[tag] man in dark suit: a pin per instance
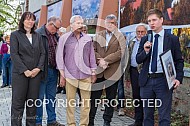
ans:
(152, 82)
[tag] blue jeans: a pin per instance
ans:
(120, 94)
(0, 64)
(48, 89)
(7, 69)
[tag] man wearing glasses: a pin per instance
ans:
(49, 84)
(132, 73)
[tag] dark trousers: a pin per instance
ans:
(120, 93)
(156, 88)
(24, 90)
(111, 91)
(134, 74)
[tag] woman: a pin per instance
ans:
(6, 62)
(28, 57)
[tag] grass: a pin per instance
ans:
(186, 65)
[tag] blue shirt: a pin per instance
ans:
(134, 53)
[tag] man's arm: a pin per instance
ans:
(142, 54)
(178, 60)
(59, 54)
(96, 44)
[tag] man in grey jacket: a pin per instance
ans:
(49, 84)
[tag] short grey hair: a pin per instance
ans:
(54, 19)
(72, 19)
(142, 24)
(111, 17)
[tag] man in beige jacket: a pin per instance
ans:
(109, 48)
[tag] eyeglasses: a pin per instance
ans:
(55, 26)
(140, 32)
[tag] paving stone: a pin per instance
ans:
(5, 112)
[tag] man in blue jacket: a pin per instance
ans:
(152, 82)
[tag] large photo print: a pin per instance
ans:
(88, 9)
(176, 20)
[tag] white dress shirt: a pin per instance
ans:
(160, 50)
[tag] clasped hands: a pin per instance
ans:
(102, 63)
(32, 73)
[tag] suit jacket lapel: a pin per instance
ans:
(33, 39)
(25, 39)
(113, 38)
(166, 40)
(104, 41)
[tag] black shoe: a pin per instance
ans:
(106, 123)
(91, 122)
(63, 92)
(136, 124)
(58, 91)
(55, 124)
(3, 86)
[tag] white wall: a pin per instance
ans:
(35, 5)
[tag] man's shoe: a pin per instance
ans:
(121, 112)
(63, 92)
(90, 124)
(58, 91)
(136, 124)
(106, 123)
(3, 86)
(55, 124)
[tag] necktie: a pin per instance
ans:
(155, 54)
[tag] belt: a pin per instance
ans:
(133, 67)
(155, 75)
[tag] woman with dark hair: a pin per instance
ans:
(28, 57)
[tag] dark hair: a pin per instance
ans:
(26, 15)
(155, 11)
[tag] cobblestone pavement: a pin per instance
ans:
(5, 113)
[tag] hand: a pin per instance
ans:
(101, 62)
(176, 83)
(105, 66)
(93, 79)
(28, 73)
(62, 73)
(128, 83)
(35, 71)
(147, 46)
(62, 82)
